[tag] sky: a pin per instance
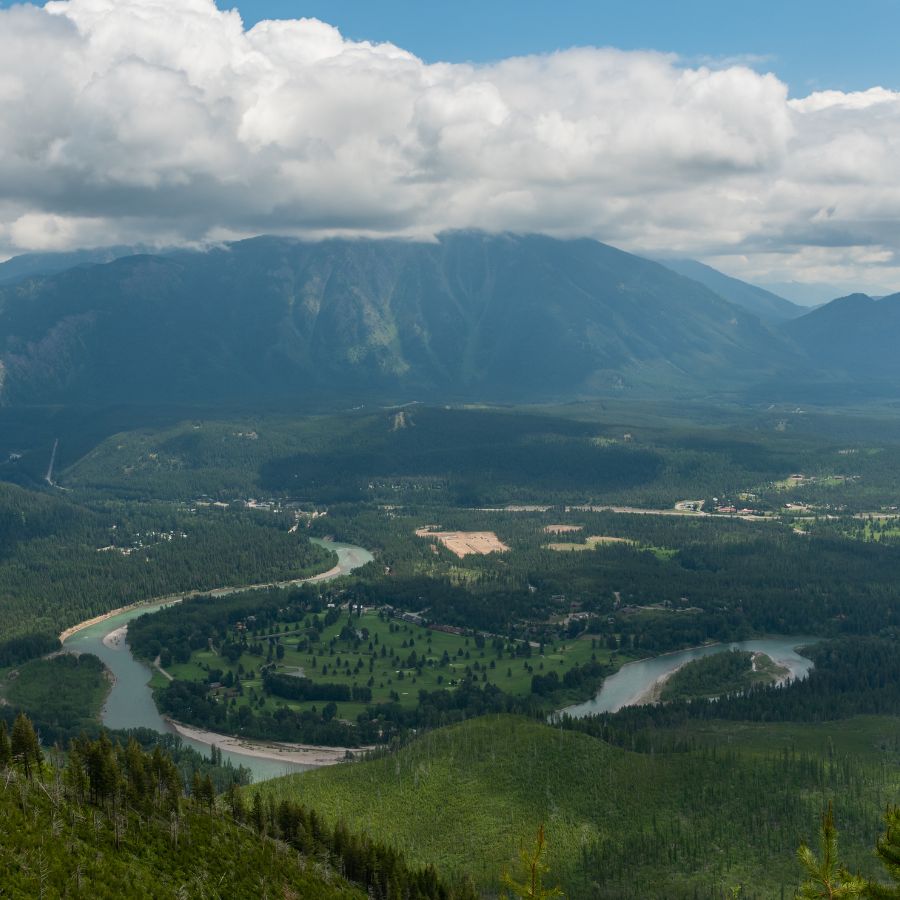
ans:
(809, 45)
(763, 138)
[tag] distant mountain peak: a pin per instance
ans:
(768, 306)
(472, 315)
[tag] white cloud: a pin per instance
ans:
(162, 120)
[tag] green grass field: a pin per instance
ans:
(380, 655)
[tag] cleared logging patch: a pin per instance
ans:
(462, 543)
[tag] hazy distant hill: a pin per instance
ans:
(469, 316)
(760, 302)
(856, 335)
(30, 265)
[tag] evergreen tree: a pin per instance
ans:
(531, 884)
(888, 852)
(75, 777)
(25, 747)
(5, 748)
(825, 876)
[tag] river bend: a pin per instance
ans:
(130, 702)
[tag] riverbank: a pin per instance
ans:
(333, 572)
(640, 682)
(302, 754)
(87, 623)
(130, 702)
(764, 670)
(653, 694)
(116, 637)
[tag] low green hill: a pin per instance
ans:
(619, 824)
(216, 860)
(52, 847)
(109, 820)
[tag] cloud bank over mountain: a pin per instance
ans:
(167, 121)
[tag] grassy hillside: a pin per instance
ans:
(50, 848)
(110, 819)
(619, 824)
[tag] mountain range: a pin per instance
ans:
(768, 306)
(469, 316)
(855, 336)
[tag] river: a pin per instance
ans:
(130, 701)
(634, 680)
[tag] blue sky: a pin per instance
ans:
(810, 45)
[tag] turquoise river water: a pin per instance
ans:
(633, 681)
(130, 701)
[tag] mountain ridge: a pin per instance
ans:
(856, 335)
(761, 302)
(472, 315)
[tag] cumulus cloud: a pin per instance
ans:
(168, 121)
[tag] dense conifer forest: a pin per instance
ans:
(107, 819)
(62, 561)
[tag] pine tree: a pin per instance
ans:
(135, 774)
(75, 777)
(532, 885)
(196, 789)
(5, 747)
(25, 747)
(826, 877)
(235, 803)
(256, 815)
(887, 849)
(209, 792)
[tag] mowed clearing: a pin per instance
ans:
(463, 543)
(590, 543)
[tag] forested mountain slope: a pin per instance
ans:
(856, 335)
(30, 265)
(54, 850)
(110, 820)
(768, 306)
(468, 316)
(619, 824)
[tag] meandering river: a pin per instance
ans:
(635, 680)
(130, 701)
